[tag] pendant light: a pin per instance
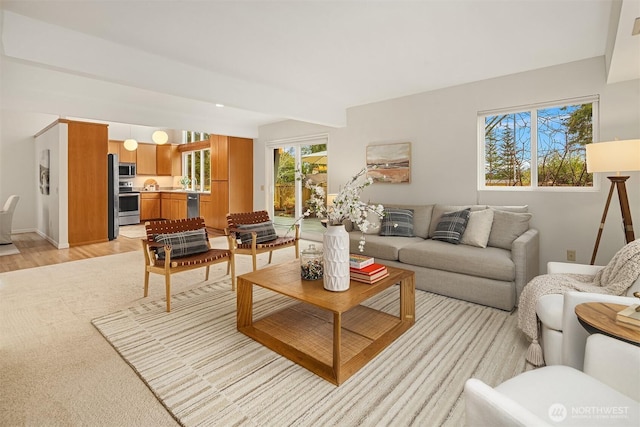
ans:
(160, 137)
(130, 144)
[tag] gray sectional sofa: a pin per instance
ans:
(493, 275)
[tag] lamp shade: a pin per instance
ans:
(160, 137)
(130, 144)
(614, 156)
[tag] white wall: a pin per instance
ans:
(442, 127)
(52, 209)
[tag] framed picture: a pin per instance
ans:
(389, 162)
(44, 171)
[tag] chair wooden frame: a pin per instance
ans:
(254, 248)
(169, 266)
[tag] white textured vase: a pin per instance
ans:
(336, 258)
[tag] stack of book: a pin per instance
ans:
(365, 269)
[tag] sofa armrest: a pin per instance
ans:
(554, 267)
(615, 363)
(525, 252)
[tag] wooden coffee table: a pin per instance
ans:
(328, 333)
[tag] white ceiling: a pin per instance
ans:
(311, 60)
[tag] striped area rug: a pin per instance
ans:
(207, 373)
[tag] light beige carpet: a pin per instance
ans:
(207, 373)
(57, 369)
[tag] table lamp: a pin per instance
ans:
(615, 156)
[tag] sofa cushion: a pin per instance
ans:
(507, 227)
(421, 217)
(452, 226)
(514, 208)
(478, 228)
(183, 243)
(380, 247)
(264, 232)
(491, 263)
(439, 210)
(397, 222)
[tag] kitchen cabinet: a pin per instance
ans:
(206, 209)
(87, 149)
(231, 178)
(149, 206)
(168, 160)
(219, 157)
(124, 155)
(179, 206)
(146, 159)
(220, 204)
(173, 205)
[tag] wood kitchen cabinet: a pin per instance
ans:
(149, 206)
(87, 149)
(231, 178)
(146, 159)
(168, 160)
(173, 205)
(124, 155)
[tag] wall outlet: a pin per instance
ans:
(571, 255)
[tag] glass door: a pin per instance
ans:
(289, 195)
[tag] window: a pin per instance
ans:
(197, 167)
(189, 136)
(541, 146)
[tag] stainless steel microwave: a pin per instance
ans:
(127, 170)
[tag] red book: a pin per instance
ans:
(369, 269)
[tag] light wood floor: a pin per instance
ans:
(35, 251)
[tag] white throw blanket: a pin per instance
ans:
(614, 279)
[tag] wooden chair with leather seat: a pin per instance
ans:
(252, 233)
(173, 246)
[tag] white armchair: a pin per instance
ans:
(562, 336)
(6, 219)
(607, 393)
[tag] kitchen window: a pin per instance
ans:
(189, 136)
(197, 167)
(537, 147)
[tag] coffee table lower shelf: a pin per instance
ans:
(331, 345)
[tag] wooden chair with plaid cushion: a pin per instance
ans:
(179, 245)
(253, 233)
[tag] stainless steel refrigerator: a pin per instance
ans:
(113, 194)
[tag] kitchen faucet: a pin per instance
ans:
(195, 183)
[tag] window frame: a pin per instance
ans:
(191, 168)
(533, 109)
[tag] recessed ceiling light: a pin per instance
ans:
(636, 27)
(219, 105)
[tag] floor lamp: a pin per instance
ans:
(615, 156)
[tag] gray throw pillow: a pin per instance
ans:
(452, 226)
(397, 222)
(183, 243)
(265, 232)
(507, 227)
(478, 228)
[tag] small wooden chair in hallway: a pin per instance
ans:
(173, 246)
(253, 233)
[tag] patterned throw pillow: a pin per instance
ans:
(397, 222)
(451, 226)
(183, 243)
(265, 232)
